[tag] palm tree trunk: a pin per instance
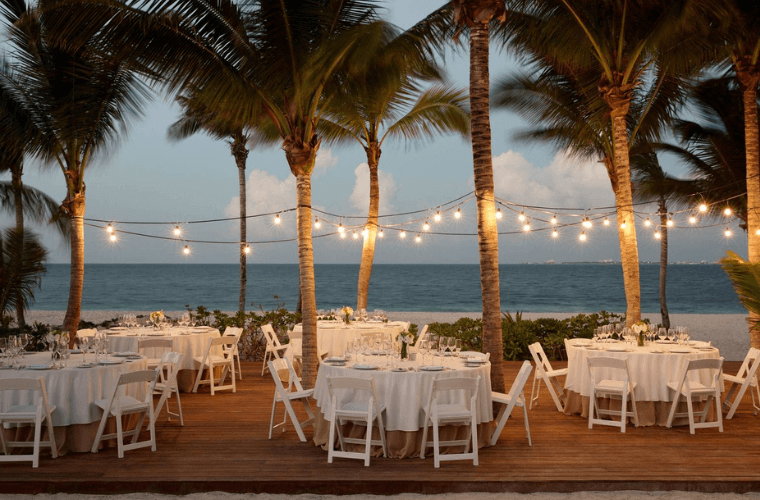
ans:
(663, 262)
(16, 173)
(488, 237)
(368, 249)
(241, 154)
(308, 291)
(749, 80)
(75, 205)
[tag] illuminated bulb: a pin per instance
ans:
(554, 220)
(498, 213)
(521, 216)
(437, 217)
(426, 226)
(247, 250)
(647, 223)
(177, 231)
(380, 234)
(186, 250)
(402, 234)
(727, 233)
(606, 221)
(757, 232)
(692, 219)
(623, 225)
(109, 229)
(365, 232)
(703, 207)
(317, 224)
(555, 234)
(355, 235)
(343, 234)
(657, 235)
(112, 237)
(458, 213)
(526, 227)
(277, 219)
(341, 229)
(727, 212)
(670, 221)
(417, 238)
(582, 237)
(586, 223)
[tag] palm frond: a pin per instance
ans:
(745, 277)
(23, 263)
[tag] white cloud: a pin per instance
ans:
(264, 193)
(360, 196)
(564, 182)
(324, 162)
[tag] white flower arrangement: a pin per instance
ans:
(157, 316)
(406, 338)
(640, 327)
(347, 311)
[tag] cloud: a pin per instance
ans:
(325, 161)
(360, 196)
(264, 193)
(565, 182)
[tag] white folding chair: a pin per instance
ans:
(211, 360)
(274, 349)
(86, 332)
(476, 354)
(235, 332)
(545, 372)
(294, 392)
(515, 397)
(358, 413)
(421, 337)
(36, 413)
(163, 345)
(441, 412)
(605, 387)
(118, 405)
(746, 378)
(691, 390)
(166, 385)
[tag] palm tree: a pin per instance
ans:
(22, 261)
(81, 100)
(619, 41)
(197, 117)
(389, 102)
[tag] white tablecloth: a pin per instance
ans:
(650, 370)
(73, 390)
(188, 341)
(406, 394)
(334, 336)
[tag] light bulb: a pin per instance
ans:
(582, 237)
(606, 221)
(426, 226)
(727, 233)
(437, 217)
(554, 220)
(623, 225)
(526, 227)
(343, 234)
(458, 213)
(670, 222)
(402, 234)
(109, 229)
(112, 237)
(555, 234)
(341, 229)
(317, 224)
(647, 223)
(355, 235)
(177, 231)
(703, 207)
(365, 232)
(247, 250)
(417, 238)
(727, 211)
(757, 232)
(498, 213)
(521, 216)
(586, 223)
(277, 219)
(692, 219)
(657, 235)
(186, 250)
(380, 234)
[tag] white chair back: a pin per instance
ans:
(690, 390)
(515, 397)
(421, 337)
(745, 379)
(545, 372)
(37, 414)
(294, 392)
(87, 332)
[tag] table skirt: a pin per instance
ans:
(401, 444)
(649, 412)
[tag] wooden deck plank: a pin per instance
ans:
(224, 445)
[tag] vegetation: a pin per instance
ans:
(22, 263)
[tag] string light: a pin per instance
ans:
(555, 234)
(703, 207)
(498, 213)
(582, 236)
(647, 222)
(586, 223)
(623, 225)
(437, 216)
(317, 224)
(727, 233)
(277, 219)
(521, 217)
(418, 238)
(355, 235)
(112, 237)
(526, 227)
(657, 235)
(247, 250)
(109, 229)
(365, 232)
(381, 234)
(670, 222)
(554, 220)
(426, 226)
(341, 229)
(757, 232)
(402, 234)
(692, 219)
(458, 213)
(186, 250)
(177, 231)
(343, 234)
(727, 211)
(606, 221)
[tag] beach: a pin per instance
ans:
(727, 332)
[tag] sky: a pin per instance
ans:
(149, 179)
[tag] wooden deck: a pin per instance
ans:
(224, 447)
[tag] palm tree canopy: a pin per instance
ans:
(745, 277)
(22, 261)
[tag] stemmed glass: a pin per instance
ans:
(662, 334)
(671, 334)
(457, 347)
(84, 344)
(349, 350)
(443, 343)
(425, 349)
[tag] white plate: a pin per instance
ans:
(476, 361)
(38, 367)
(433, 368)
(681, 351)
(111, 362)
(365, 367)
(399, 370)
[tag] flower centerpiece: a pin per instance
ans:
(640, 328)
(347, 312)
(405, 339)
(156, 317)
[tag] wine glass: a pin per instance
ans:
(84, 344)
(662, 334)
(349, 350)
(457, 347)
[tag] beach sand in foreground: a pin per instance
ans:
(728, 332)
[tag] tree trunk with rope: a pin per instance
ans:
(368, 248)
(664, 262)
(18, 202)
(74, 205)
(240, 153)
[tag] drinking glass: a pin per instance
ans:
(84, 344)
(365, 347)
(662, 334)
(457, 347)
(671, 334)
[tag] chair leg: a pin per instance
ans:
(381, 428)
(533, 390)
(119, 436)
(331, 440)
(474, 437)
(635, 410)
(179, 406)
(591, 405)
(37, 437)
(673, 407)
(2, 439)
(717, 407)
(623, 413)
(527, 424)
(271, 419)
(424, 436)
(198, 379)
(101, 428)
(690, 406)
(436, 445)
(240, 370)
(368, 440)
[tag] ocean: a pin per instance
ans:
(691, 289)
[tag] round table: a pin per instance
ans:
(72, 390)
(651, 367)
(334, 336)
(405, 395)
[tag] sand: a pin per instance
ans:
(728, 332)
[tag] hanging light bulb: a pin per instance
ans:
(402, 234)
(112, 237)
(555, 234)
(623, 225)
(526, 226)
(186, 250)
(426, 226)
(317, 224)
(727, 233)
(365, 232)
(343, 234)
(380, 234)
(458, 213)
(703, 207)
(521, 217)
(554, 220)
(437, 216)
(657, 235)
(498, 213)
(277, 219)
(692, 219)
(177, 231)
(582, 236)
(355, 235)
(670, 222)
(247, 250)
(109, 229)
(418, 238)
(757, 232)
(586, 223)
(606, 221)
(647, 222)
(727, 211)
(341, 229)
